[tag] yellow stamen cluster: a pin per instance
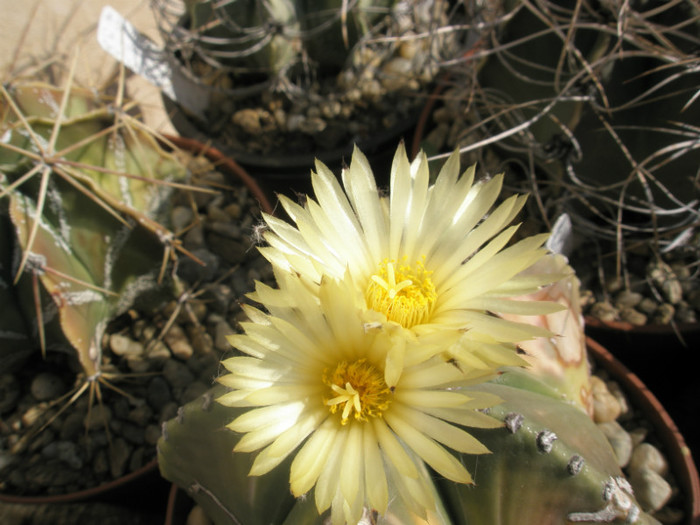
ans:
(404, 293)
(359, 389)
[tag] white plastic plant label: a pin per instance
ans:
(118, 37)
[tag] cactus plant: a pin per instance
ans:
(549, 462)
(608, 83)
(301, 77)
(533, 450)
(84, 186)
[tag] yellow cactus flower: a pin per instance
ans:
(430, 259)
(313, 377)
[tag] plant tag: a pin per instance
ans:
(118, 37)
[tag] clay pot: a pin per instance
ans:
(677, 451)
(660, 356)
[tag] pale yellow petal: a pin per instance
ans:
(332, 198)
(507, 331)
(362, 191)
(433, 454)
(375, 477)
(400, 191)
(395, 361)
(260, 417)
(493, 224)
(283, 393)
(440, 431)
(329, 479)
(352, 466)
(477, 202)
(393, 450)
(432, 374)
(510, 306)
(235, 398)
(444, 199)
(312, 457)
(465, 417)
(242, 383)
(415, 212)
(424, 398)
(285, 443)
(480, 258)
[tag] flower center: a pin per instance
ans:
(358, 389)
(404, 293)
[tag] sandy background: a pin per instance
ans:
(36, 30)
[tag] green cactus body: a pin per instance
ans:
(549, 464)
(250, 36)
(85, 198)
(14, 335)
(247, 35)
(332, 32)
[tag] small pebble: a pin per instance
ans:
(46, 386)
(627, 299)
(66, 451)
(151, 434)
(651, 490)
(647, 456)
(619, 439)
(604, 311)
(201, 340)
(197, 516)
(177, 374)
(193, 391)
(222, 331)
(9, 393)
(181, 217)
(664, 314)
(606, 407)
(72, 426)
(168, 412)
(99, 416)
(177, 341)
(635, 317)
(158, 393)
(141, 414)
(647, 306)
(230, 250)
(132, 433)
(118, 455)
(125, 346)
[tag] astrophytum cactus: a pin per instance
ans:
(548, 461)
(83, 186)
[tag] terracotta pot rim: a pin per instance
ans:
(676, 449)
(85, 494)
(218, 158)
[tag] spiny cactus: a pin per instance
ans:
(85, 186)
(268, 37)
(595, 105)
(325, 73)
